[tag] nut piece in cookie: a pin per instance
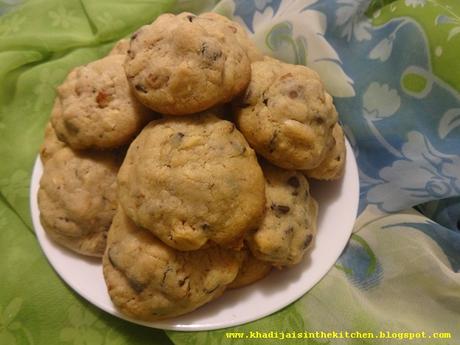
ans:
(289, 225)
(251, 270)
(77, 199)
(286, 115)
(147, 280)
(97, 108)
(51, 144)
(332, 167)
(185, 64)
(191, 180)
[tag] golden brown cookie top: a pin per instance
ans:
(97, 108)
(286, 115)
(185, 64)
(191, 180)
(289, 224)
(77, 198)
(148, 280)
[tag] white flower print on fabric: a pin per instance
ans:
(437, 176)
(295, 34)
(352, 20)
(379, 101)
(415, 3)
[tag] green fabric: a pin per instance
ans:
(40, 42)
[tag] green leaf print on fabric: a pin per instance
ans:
(439, 20)
(280, 39)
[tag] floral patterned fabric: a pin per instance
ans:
(392, 67)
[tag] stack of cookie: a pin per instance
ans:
(182, 159)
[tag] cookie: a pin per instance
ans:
(191, 180)
(286, 115)
(251, 271)
(240, 33)
(147, 280)
(289, 225)
(332, 167)
(77, 199)
(120, 48)
(97, 107)
(185, 64)
(51, 144)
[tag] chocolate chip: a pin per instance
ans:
(318, 120)
(265, 101)
(137, 286)
(293, 181)
(293, 94)
(280, 209)
(191, 18)
(307, 241)
(210, 53)
(134, 36)
(205, 226)
(140, 87)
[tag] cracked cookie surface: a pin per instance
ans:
(97, 108)
(286, 115)
(148, 280)
(289, 225)
(186, 64)
(77, 199)
(191, 180)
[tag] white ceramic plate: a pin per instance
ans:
(337, 212)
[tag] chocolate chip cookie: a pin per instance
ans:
(191, 180)
(289, 225)
(286, 115)
(97, 107)
(148, 280)
(77, 199)
(185, 64)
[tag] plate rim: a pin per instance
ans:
(43, 240)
